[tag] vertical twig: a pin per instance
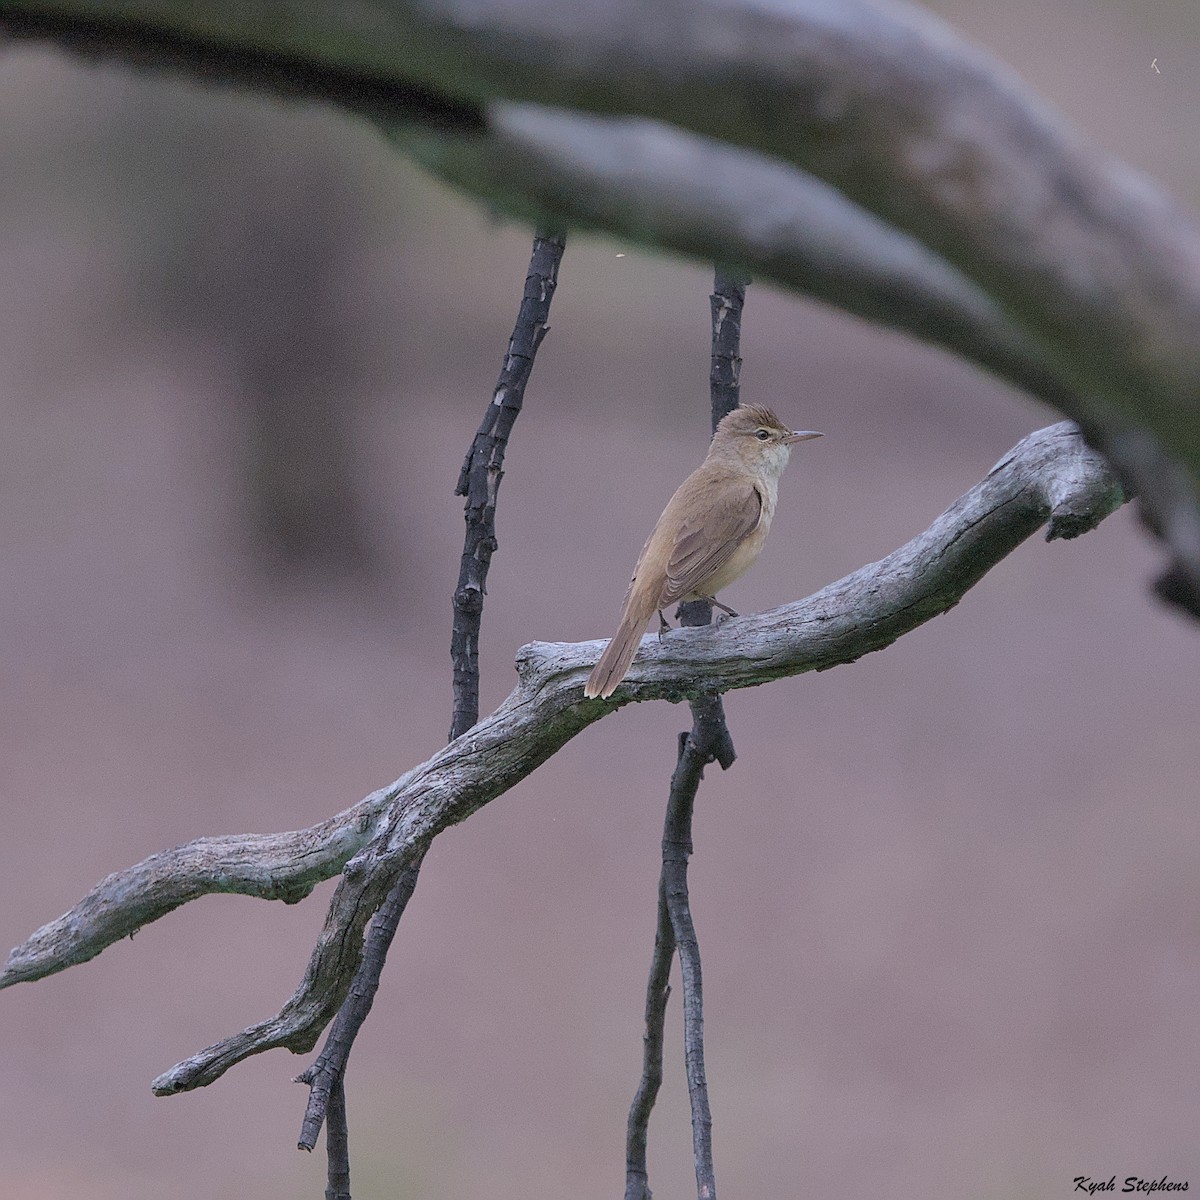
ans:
(658, 991)
(708, 742)
(724, 376)
(324, 1075)
(337, 1144)
(483, 468)
(479, 481)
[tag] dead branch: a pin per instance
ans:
(1050, 476)
(483, 469)
(1095, 270)
(659, 186)
(326, 1075)
(885, 103)
(278, 866)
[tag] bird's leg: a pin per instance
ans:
(663, 625)
(723, 607)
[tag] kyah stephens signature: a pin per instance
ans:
(1085, 1183)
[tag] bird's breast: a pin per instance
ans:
(743, 558)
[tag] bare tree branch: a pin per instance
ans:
(483, 468)
(279, 866)
(291, 74)
(696, 750)
(725, 306)
(325, 1076)
(884, 102)
(331, 970)
(707, 742)
(1051, 476)
(338, 1143)
(658, 992)
(1085, 278)
(662, 187)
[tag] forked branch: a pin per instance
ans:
(479, 482)
(1051, 476)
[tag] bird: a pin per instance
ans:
(710, 533)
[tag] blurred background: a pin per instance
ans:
(946, 897)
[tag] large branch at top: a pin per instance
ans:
(1075, 278)
(663, 187)
(1052, 475)
(880, 99)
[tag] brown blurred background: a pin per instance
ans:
(947, 897)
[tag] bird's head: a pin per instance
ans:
(755, 436)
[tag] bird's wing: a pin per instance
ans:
(703, 545)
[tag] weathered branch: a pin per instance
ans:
(696, 750)
(658, 992)
(1084, 278)
(885, 103)
(1051, 476)
(708, 742)
(325, 1076)
(278, 866)
(662, 187)
(331, 970)
(337, 1140)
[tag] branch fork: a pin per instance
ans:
(1051, 478)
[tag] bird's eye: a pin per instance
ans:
(762, 435)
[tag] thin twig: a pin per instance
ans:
(724, 375)
(696, 750)
(324, 1075)
(337, 1144)
(483, 468)
(479, 481)
(709, 741)
(658, 992)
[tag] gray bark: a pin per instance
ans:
(1051, 477)
(1084, 277)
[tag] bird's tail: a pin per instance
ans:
(619, 653)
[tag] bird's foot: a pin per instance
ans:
(725, 613)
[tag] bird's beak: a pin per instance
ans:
(800, 435)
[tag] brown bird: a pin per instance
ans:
(709, 534)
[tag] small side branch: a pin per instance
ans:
(324, 1077)
(479, 480)
(658, 992)
(708, 742)
(696, 750)
(724, 374)
(337, 1145)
